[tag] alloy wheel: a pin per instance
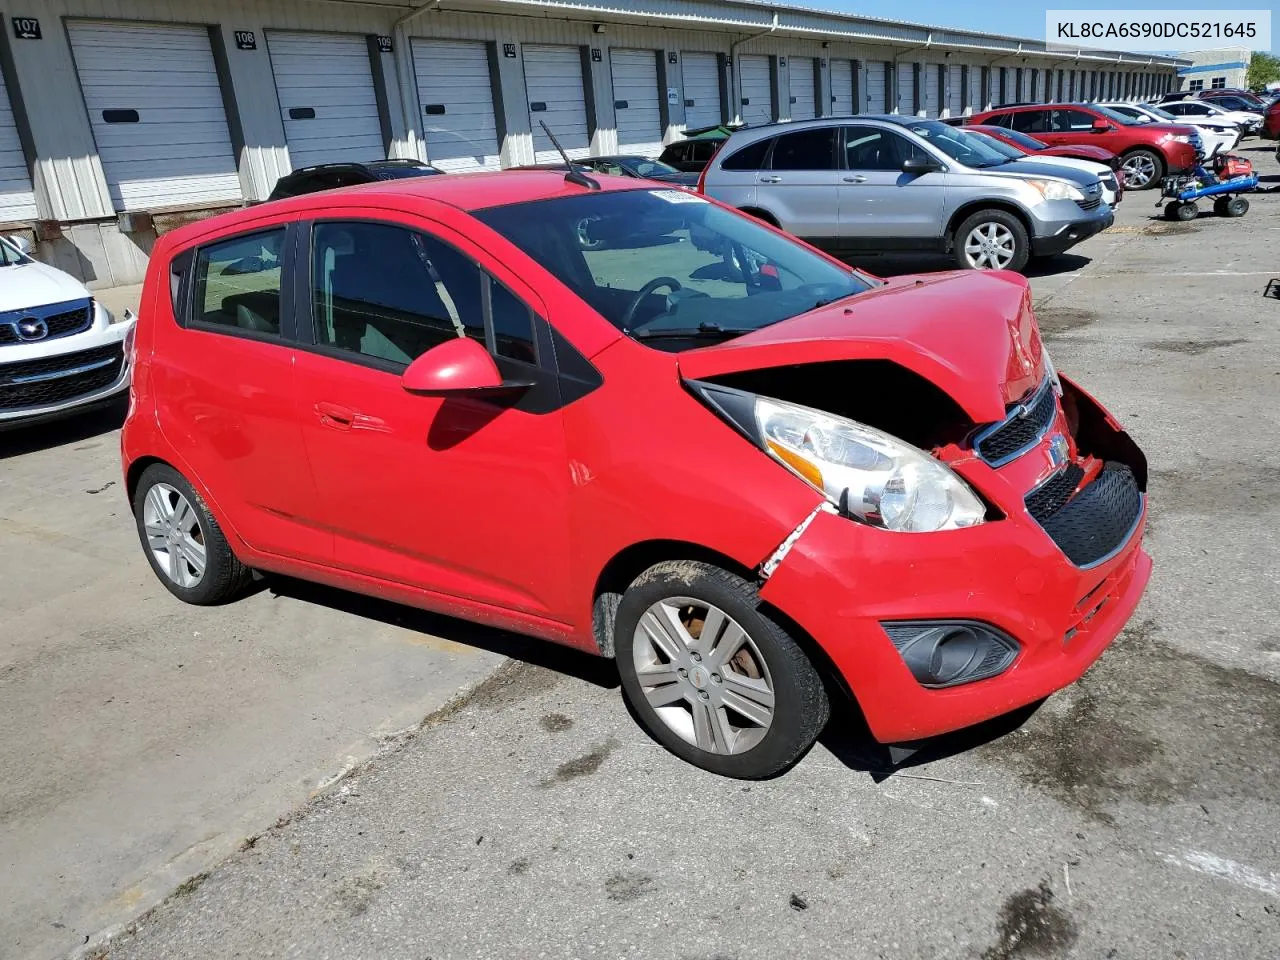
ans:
(703, 675)
(1138, 171)
(174, 535)
(990, 246)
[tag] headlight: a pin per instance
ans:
(1056, 190)
(1050, 369)
(872, 476)
(1182, 138)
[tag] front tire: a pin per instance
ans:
(183, 542)
(711, 676)
(991, 240)
(1143, 169)
(1236, 207)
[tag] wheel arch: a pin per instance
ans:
(986, 203)
(760, 214)
(623, 569)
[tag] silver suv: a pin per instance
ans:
(882, 183)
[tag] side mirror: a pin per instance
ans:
(1101, 126)
(459, 366)
(22, 243)
(918, 165)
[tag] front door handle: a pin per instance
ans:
(859, 178)
(335, 415)
(770, 179)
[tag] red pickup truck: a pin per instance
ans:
(1147, 151)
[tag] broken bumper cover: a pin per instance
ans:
(1008, 573)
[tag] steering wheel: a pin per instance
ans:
(657, 283)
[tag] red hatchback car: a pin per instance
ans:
(755, 477)
(1147, 151)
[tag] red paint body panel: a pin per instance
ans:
(1120, 139)
(332, 471)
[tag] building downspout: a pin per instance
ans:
(735, 87)
(404, 76)
(896, 57)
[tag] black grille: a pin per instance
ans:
(1050, 496)
(18, 391)
(1020, 431)
(59, 324)
(1089, 204)
(1092, 524)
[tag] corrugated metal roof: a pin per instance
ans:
(795, 19)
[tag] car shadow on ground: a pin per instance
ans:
(848, 739)
(17, 441)
(846, 736)
(896, 266)
(540, 653)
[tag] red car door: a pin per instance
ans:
(225, 376)
(460, 496)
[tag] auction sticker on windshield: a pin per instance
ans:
(677, 196)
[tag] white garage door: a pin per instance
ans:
(455, 94)
(17, 202)
(876, 87)
(156, 111)
(906, 88)
(325, 87)
(842, 104)
(757, 91)
(803, 96)
(977, 97)
(635, 101)
(931, 78)
(955, 90)
(701, 90)
(553, 80)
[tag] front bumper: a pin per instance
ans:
(47, 380)
(1056, 236)
(841, 582)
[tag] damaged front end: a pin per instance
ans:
(1025, 559)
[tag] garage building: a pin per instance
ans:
(123, 119)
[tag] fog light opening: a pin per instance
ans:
(944, 654)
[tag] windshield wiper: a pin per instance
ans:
(701, 331)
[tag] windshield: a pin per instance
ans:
(1023, 140)
(10, 255)
(668, 267)
(1012, 153)
(1115, 115)
(1162, 114)
(957, 144)
(651, 168)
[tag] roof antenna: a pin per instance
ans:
(574, 175)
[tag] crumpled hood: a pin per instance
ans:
(34, 284)
(971, 333)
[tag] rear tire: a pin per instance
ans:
(1143, 169)
(745, 702)
(1185, 211)
(1237, 207)
(991, 240)
(183, 542)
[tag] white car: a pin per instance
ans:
(1111, 192)
(1190, 111)
(1218, 135)
(61, 351)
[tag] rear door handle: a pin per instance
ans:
(770, 179)
(334, 415)
(859, 178)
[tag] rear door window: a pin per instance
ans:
(1030, 121)
(805, 150)
(237, 283)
